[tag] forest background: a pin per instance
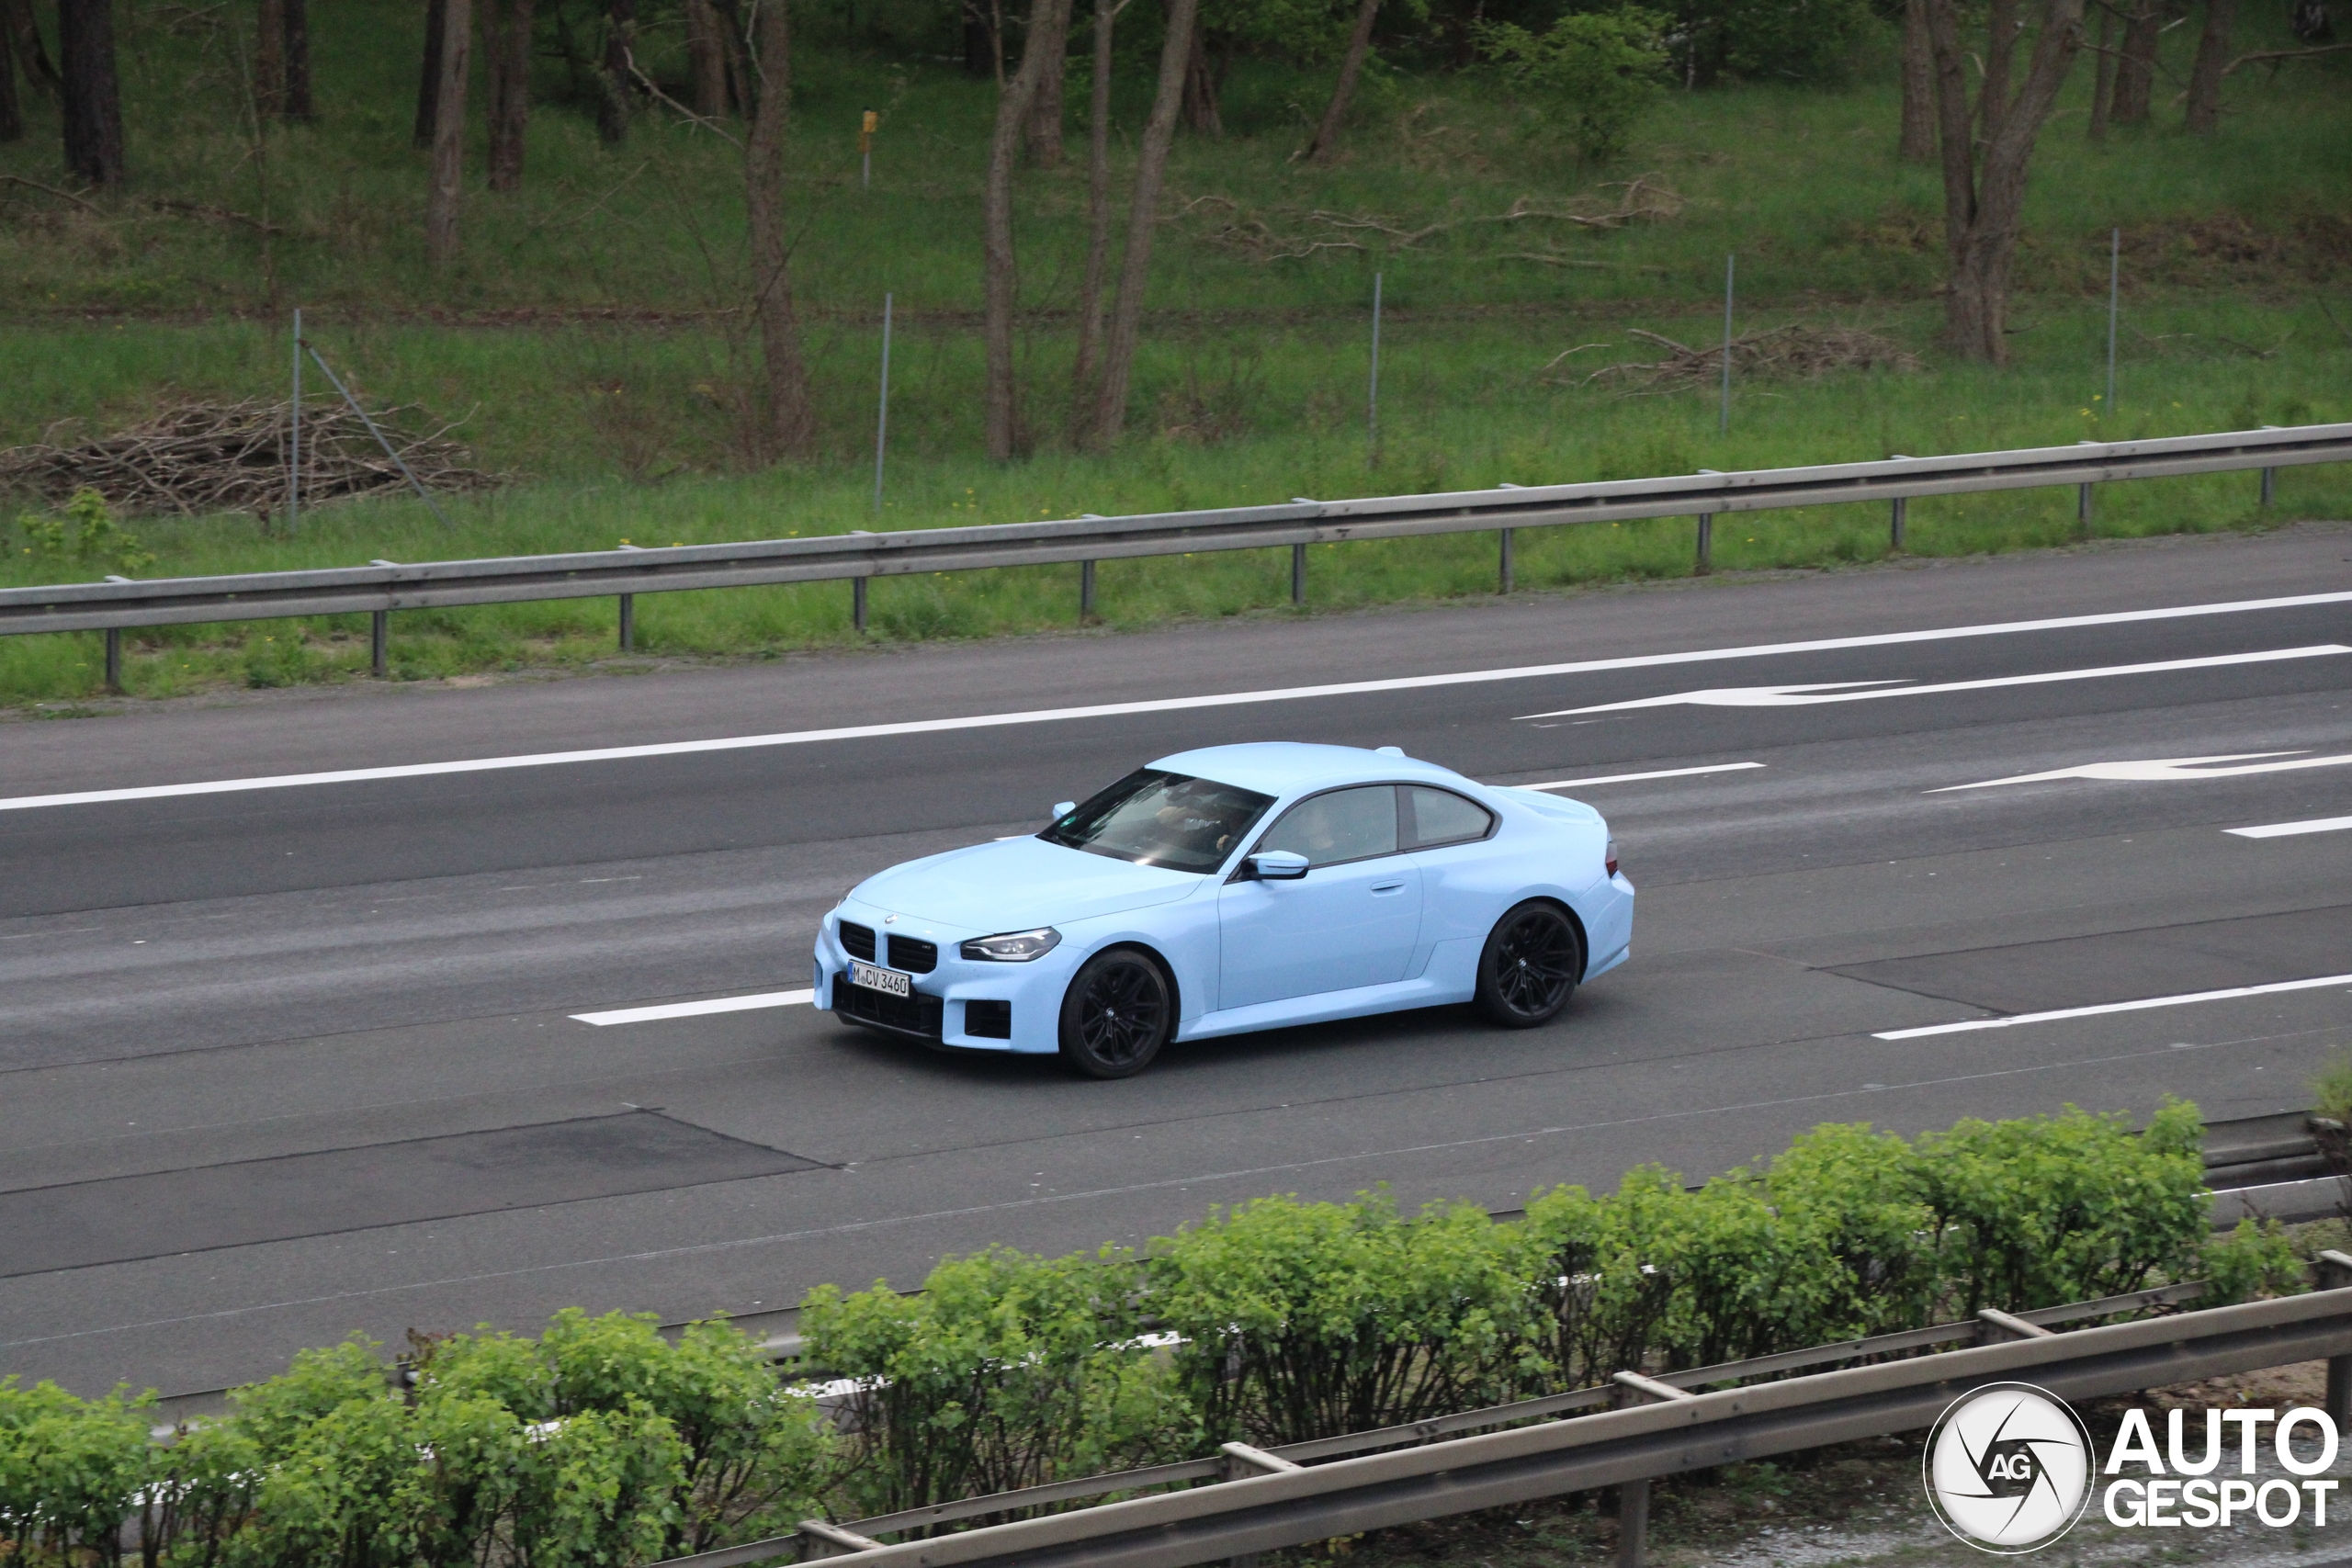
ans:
(628, 253)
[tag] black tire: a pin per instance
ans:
(1118, 1012)
(1530, 967)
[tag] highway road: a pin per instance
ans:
(291, 989)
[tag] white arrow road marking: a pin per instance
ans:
(2184, 999)
(1630, 778)
(2154, 770)
(696, 1009)
(1161, 705)
(1842, 691)
(2288, 829)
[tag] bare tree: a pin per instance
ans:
(705, 60)
(297, 106)
(12, 110)
(2000, 48)
(1982, 204)
(2103, 80)
(612, 85)
(24, 32)
(1919, 142)
(1110, 412)
(269, 57)
(93, 92)
(1203, 114)
(507, 35)
(792, 421)
(2135, 72)
(1326, 141)
(1001, 286)
(2212, 58)
(1098, 220)
(449, 133)
(428, 82)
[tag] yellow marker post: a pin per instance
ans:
(865, 149)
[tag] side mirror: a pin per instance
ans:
(1063, 808)
(1277, 865)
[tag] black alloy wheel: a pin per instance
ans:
(1529, 968)
(1118, 1012)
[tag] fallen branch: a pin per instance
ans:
(48, 190)
(2283, 55)
(1789, 351)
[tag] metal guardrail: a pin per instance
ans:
(1272, 1499)
(383, 587)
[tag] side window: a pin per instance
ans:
(1436, 817)
(1346, 824)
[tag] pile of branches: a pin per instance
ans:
(1781, 352)
(1642, 199)
(203, 457)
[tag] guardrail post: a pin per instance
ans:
(1299, 574)
(1894, 532)
(857, 604)
(1507, 573)
(2082, 508)
(114, 661)
(2335, 1273)
(379, 636)
(2269, 486)
(1706, 561)
(629, 622)
(1632, 1524)
(1085, 592)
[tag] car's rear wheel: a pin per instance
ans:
(1529, 967)
(1117, 1013)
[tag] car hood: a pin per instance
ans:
(1017, 884)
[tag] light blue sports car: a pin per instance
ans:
(1233, 888)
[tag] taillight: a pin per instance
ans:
(1611, 863)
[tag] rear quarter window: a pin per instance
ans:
(1435, 817)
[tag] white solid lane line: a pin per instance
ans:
(2185, 999)
(1842, 692)
(2291, 830)
(696, 1009)
(1630, 778)
(2154, 770)
(1165, 705)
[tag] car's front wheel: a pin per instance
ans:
(1117, 1013)
(1530, 965)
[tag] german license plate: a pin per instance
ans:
(874, 977)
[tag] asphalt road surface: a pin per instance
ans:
(299, 1056)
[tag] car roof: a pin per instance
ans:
(1287, 767)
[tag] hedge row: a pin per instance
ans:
(599, 1442)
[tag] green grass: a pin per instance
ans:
(585, 341)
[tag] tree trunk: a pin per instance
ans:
(980, 39)
(93, 94)
(298, 61)
(2000, 48)
(509, 41)
(1201, 115)
(705, 60)
(1326, 134)
(24, 32)
(1000, 278)
(2205, 76)
(449, 133)
(1097, 223)
(1043, 132)
(12, 110)
(1143, 220)
(269, 59)
(2103, 80)
(615, 87)
(2135, 72)
(428, 85)
(1983, 208)
(743, 88)
(1918, 143)
(791, 423)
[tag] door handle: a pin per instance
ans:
(1379, 888)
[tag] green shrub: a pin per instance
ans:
(87, 535)
(1006, 1372)
(1305, 1320)
(69, 1470)
(1601, 70)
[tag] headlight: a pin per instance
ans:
(1012, 947)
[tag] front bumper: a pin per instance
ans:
(1013, 1007)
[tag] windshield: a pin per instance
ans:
(1159, 819)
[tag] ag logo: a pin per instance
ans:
(2008, 1467)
